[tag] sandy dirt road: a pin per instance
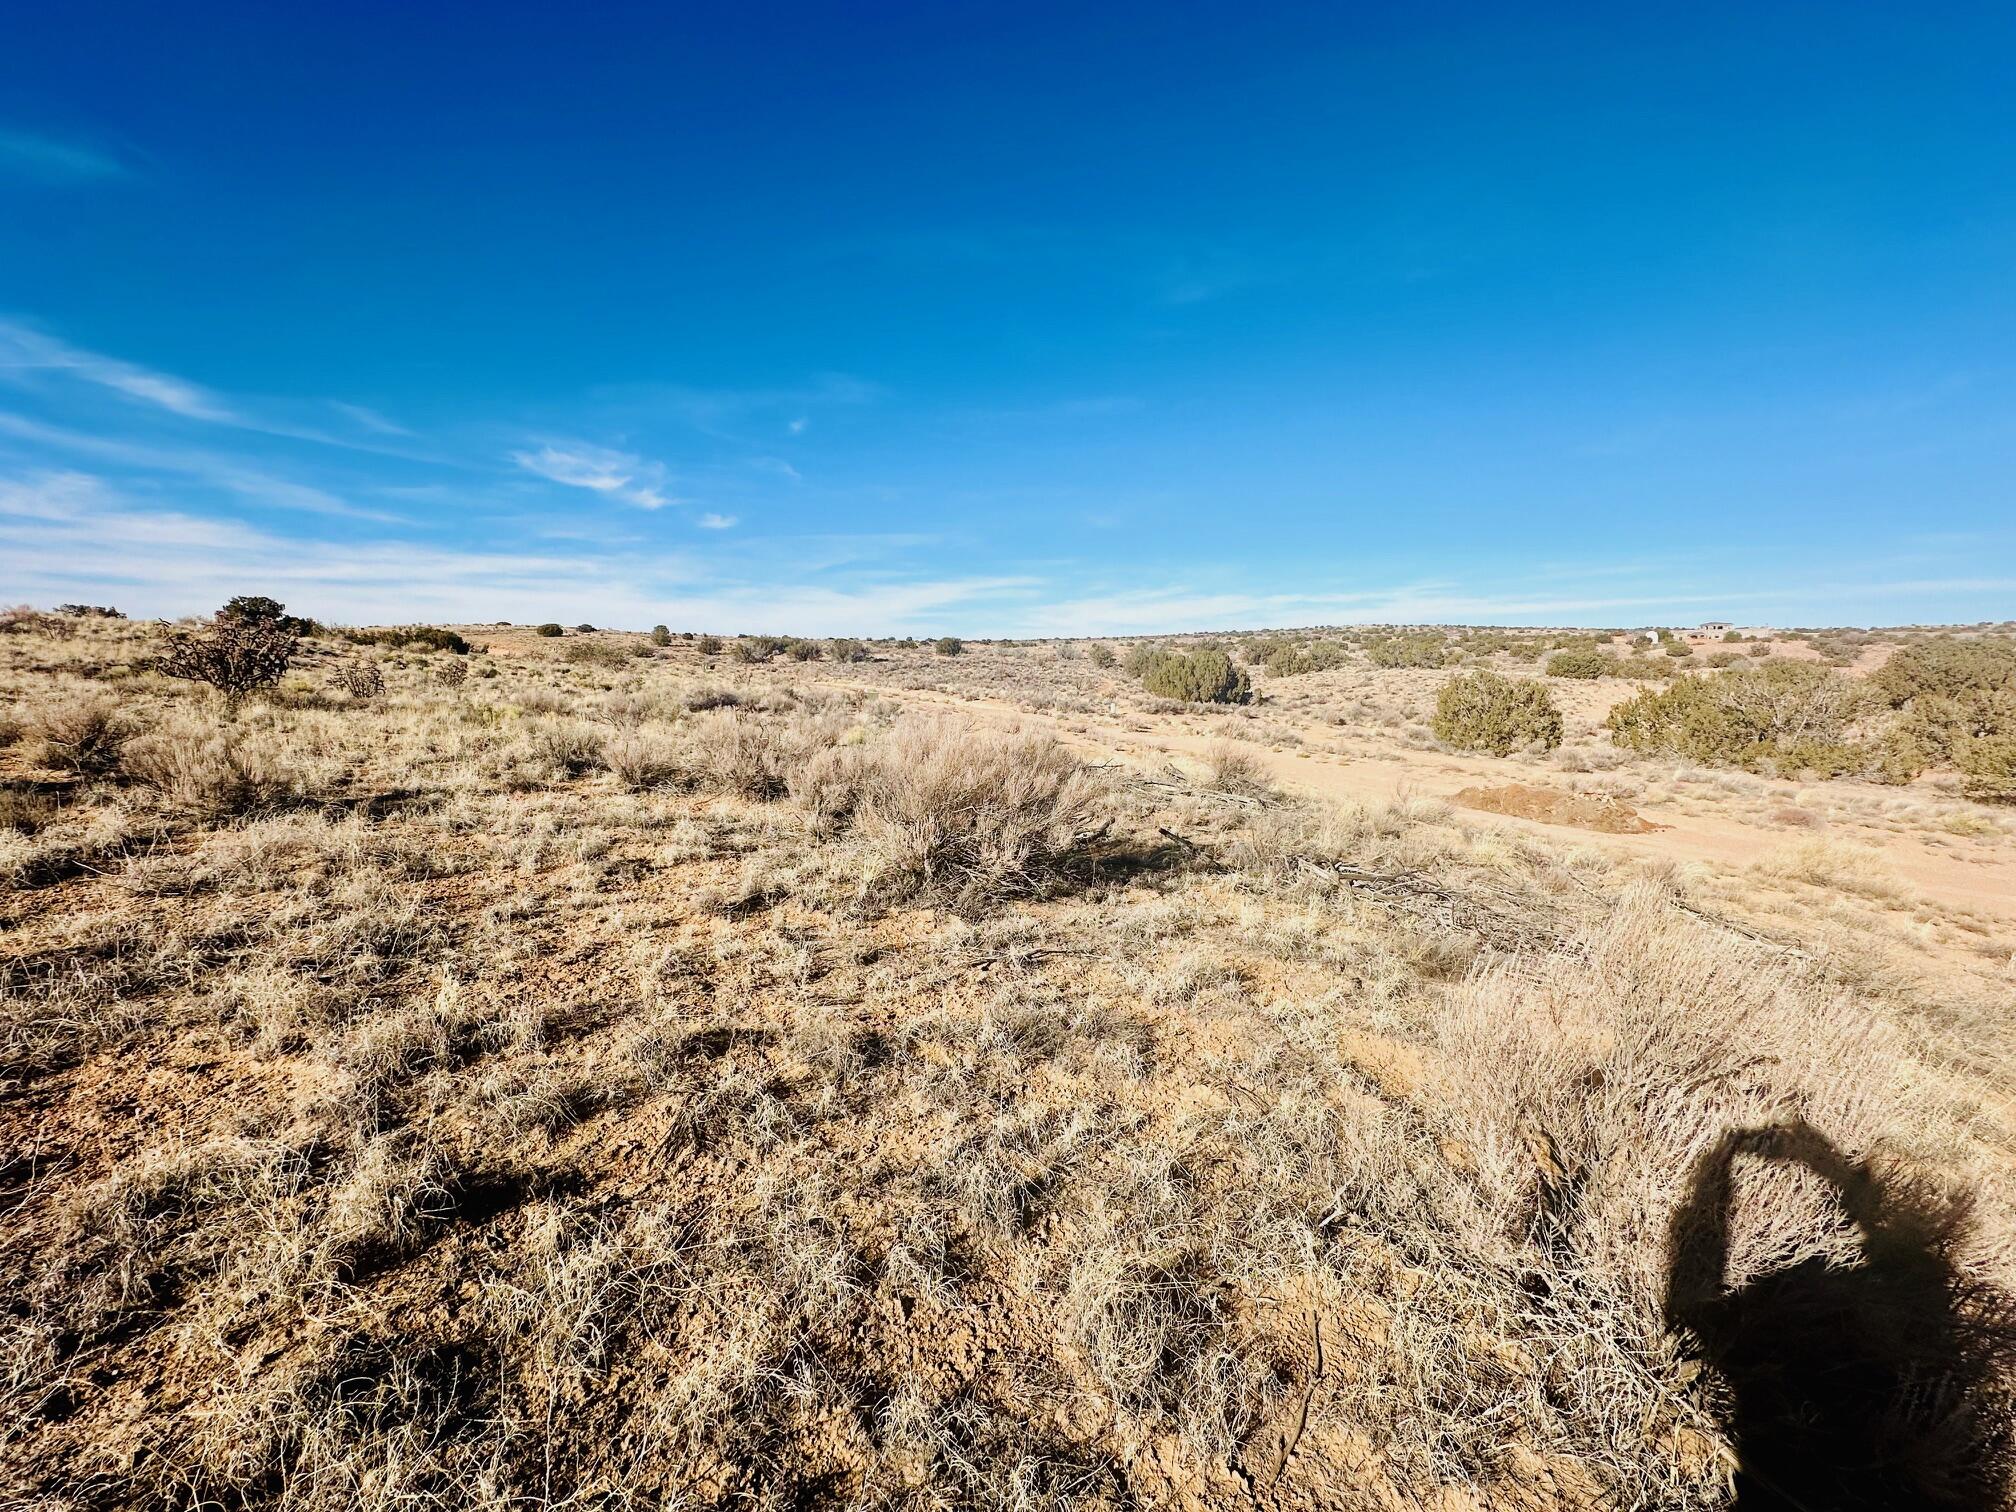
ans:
(1724, 843)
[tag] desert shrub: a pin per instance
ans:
(753, 756)
(640, 760)
(80, 735)
(236, 654)
(845, 649)
(708, 645)
(1582, 663)
(550, 750)
(828, 785)
(1731, 637)
(1286, 659)
(1423, 649)
(258, 609)
(803, 650)
(1100, 656)
(213, 770)
(1679, 649)
(89, 611)
(1988, 767)
(1747, 716)
(1721, 659)
(1947, 666)
(1197, 677)
(549, 630)
(661, 635)
(26, 619)
(757, 648)
(361, 679)
(1481, 711)
(1141, 657)
(593, 654)
(453, 674)
(427, 637)
(949, 645)
(963, 816)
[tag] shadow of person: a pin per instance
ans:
(1881, 1384)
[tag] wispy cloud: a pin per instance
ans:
(24, 349)
(225, 473)
(616, 474)
(50, 160)
(711, 521)
(80, 537)
(368, 418)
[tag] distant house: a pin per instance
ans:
(1716, 627)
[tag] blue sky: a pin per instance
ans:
(1017, 319)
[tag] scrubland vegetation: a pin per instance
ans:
(663, 1074)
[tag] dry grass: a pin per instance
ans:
(591, 1085)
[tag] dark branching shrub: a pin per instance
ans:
(846, 649)
(426, 637)
(235, 655)
(362, 679)
(758, 648)
(550, 630)
(1481, 711)
(1196, 677)
(708, 645)
(803, 650)
(949, 645)
(452, 674)
(661, 635)
(1791, 714)
(1581, 663)
(89, 611)
(25, 619)
(258, 609)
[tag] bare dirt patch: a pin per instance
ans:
(1590, 811)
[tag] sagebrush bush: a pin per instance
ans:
(846, 649)
(585, 653)
(661, 635)
(1196, 677)
(549, 630)
(1101, 656)
(213, 770)
(1582, 663)
(753, 755)
(949, 645)
(708, 645)
(85, 735)
(1481, 711)
(963, 816)
(639, 759)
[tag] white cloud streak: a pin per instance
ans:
(616, 474)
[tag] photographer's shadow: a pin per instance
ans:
(1882, 1384)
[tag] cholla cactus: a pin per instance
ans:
(235, 655)
(361, 679)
